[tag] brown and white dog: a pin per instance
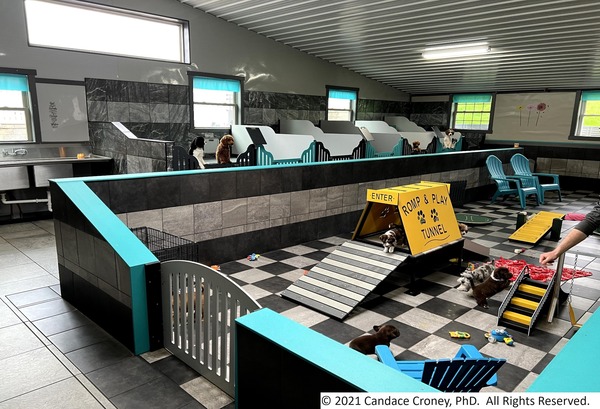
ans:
(223, 153)
(496, 282)
(394, 237)
(383, 335)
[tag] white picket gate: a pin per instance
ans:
(200, 306)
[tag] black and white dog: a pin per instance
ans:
(197, 150)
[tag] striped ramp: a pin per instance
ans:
(344, 278)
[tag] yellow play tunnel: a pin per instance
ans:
(424, 209)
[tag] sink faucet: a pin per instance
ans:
(15, 152)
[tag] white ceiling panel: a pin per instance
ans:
(535, 44)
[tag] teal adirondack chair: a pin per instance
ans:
(468, 371)
(520, 165)
(510, 185)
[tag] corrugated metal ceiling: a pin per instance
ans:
(536, 44)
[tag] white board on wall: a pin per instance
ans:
(544, 116)
(63, 112)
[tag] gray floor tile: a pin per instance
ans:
(62, 322)
(7, 316)
(160, 393)
(47, 309)
(65, 394)
(27, 298)
(29, 371)
(79, 337)
(123, 376)
(98, 356)
(17, 339)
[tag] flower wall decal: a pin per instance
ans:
(538, 108)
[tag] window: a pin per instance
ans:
(471, 111)
(15, 108)
(216, 101)
(588, 122)
(341, 104)
(82, 26)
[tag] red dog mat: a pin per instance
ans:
(538, 273)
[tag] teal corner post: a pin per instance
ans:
(126, 245)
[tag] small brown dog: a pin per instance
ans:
(223, 153)
(496, 282)
(383, 335)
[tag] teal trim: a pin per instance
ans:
(575, 367)
(590, 96)
(131, 250)
(13, 82)
(216, 84)
(342, 94)
(466, 98)
(360, 370)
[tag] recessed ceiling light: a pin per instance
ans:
(456, 50)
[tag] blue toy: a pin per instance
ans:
(499, 335)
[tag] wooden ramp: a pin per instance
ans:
(537, 227)
(343, 279)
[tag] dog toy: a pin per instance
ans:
(459, 334)
(253, 257)
(499, 335)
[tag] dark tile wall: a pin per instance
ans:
(184, 197)
(92, 276)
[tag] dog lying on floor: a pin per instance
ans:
(223, 153)
(383, 335)
(496, 282)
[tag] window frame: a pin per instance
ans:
(578, 117)
(238, 106)
(454, 112)
(31, 108)
(184, 28)
(353, 103)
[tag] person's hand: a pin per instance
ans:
(548, 258)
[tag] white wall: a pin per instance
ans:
(534, 117)
(216, 46)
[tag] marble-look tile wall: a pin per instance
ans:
(150, 111)
(161, 112)
(267, 108)
(427, 114)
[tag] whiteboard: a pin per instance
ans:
(544, 116)
(63, 112)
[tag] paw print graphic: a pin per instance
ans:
(434, 215)
(421, 217)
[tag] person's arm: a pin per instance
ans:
(574, 237)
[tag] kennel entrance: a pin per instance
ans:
(199, 308)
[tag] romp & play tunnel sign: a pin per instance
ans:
(425, 210)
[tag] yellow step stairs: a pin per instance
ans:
(536, 227)
(532, 289)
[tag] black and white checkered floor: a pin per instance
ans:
(75, 361)
(424, 320)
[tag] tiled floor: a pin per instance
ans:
(53, 356)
